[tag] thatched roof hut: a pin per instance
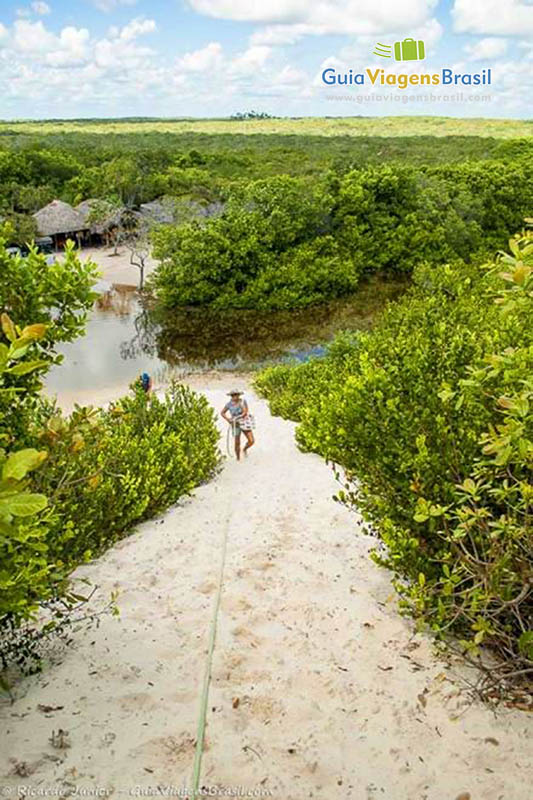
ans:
(160, 212)
(105, 215)
(167, 210)
(58, 218)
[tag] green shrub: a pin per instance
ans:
(57, 296)
(290, 389)
(431, 417)
(394, 218)
(284, 243)
(102, 472)
(258, 254)
(107, 470)
(25, 572)
(303, 276)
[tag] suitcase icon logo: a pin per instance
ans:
(409, 50)
(406, 50)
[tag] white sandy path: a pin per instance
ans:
(327, 675)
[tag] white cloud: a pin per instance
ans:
(488, 48)
(137, 27)
(32, 37)
(282, 34)
(119, 56)
(252, 10)
(72, 48)
(328, 16)
(109, 5)
(498, 17)
(119, 53)
(35, 60)
(251, 60)
(202, 60)
(115, 73)
(427, 28)
(41, 8)
(291, 76)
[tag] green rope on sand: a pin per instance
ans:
(208, 669)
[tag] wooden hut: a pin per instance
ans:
(61, 222)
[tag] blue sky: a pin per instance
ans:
(102, 58)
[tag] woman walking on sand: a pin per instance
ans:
(241, 421)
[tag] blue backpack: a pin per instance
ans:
(145, 380)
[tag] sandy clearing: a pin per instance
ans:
(115, 269)
(319, 688)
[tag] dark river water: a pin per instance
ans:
(124, 337)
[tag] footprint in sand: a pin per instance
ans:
(233, 605)
(207, 587)
(262, 708)
(137, 701)
(247, 636)
(167, 751)
(233, 671)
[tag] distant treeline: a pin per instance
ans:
(138, 166)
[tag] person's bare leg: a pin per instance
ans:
(250, 441)
(238, 447)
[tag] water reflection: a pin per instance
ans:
(126, 336)
(94, 362)
(239, 338)
(118, 298)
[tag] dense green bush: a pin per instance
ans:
(100, 473)
(107, 470)
(431, 417)
(40, 305)
(258, 254)
(25, 573)
(32, 292)
(282, 243)
(138, 161)
(290, 389)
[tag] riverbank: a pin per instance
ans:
(319, 688)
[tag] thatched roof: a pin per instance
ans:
(167, 210)
(162, 211)
(214, 209)
(58, 217)
(108, 215)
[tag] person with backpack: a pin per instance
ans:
(146, 382)
(240, 420)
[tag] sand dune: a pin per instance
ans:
(319, 688)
